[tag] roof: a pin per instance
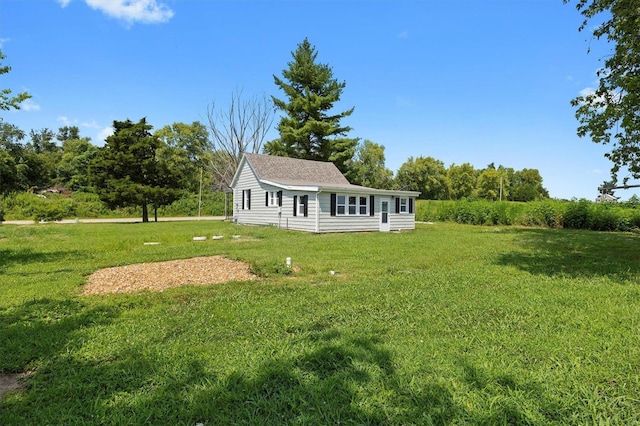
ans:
(295, 173)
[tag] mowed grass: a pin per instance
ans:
(448, 324)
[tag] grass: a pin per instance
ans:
(449, 324)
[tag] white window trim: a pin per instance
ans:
(273, 199)
(404, 204)
(345, 205)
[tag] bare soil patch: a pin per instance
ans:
(159, 276)
(10, 382)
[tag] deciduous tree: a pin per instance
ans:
(7, 101)
(424, 174)
(368, 167)
(241, 127)
(611, 113)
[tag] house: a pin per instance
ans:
(604, 197)
(314, 196)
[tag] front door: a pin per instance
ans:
(385, 226)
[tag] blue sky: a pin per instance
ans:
(477, 81)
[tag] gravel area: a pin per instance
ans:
(159, 276)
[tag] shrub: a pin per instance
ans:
(577, 214)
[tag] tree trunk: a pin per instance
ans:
(145, 213)
(155, 213)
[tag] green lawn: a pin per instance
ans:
(448, 324)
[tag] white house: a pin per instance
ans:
(314, 196)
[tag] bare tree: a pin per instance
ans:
(241, 128)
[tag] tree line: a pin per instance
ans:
(140, 167)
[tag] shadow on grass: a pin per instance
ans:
(27, 256)
(327, 380)
(38, 330)
(575, 253)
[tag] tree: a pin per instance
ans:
(368, 167)
(493, 184)
(185, 149)
(309, 130)
(6, 100)
(424, 174)
(611, 113)
(126, 171)
(526, 185)
(240, 128)
(73, 169)
(462, 181)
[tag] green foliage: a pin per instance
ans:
(128, 171)
(271, 269)
(368, 167)
(7, 101)
(609, 114)
(309, 130)
(448, 324)
(578, 214)
(424, 174)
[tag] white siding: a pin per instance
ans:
(319, 217)
(260, 214)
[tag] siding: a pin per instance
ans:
(259, 214)
(319, 204)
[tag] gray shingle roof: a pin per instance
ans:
(294, 171)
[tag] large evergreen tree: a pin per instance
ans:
(309, 130)
(127, 172)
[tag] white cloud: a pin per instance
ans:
(65, 121)
(3, 40)
(29, 105)
(105, 133)
(131, 11)
(63, 3)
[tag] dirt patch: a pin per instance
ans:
(159, 276)
(10, 382)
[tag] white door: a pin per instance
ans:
(385, 226)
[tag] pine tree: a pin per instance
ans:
(309, 130)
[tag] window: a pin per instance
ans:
(301, 205)
(341, 205)
(350, 205)
(353, 205)
(363, 205)
(273, 199)
(246, 199)
(404, 205)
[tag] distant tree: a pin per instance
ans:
(241, 127)
(6, 100)
(462, 180)
(68, 132)
(424, 174)
(493, 184)
(309, 130)
(186, 150)
(126, 171)
(611, 113)
(73, 169)
(368, 167)
(8, 173)
(526, 185)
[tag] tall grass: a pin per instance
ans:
(577, 214)
(448, 324)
